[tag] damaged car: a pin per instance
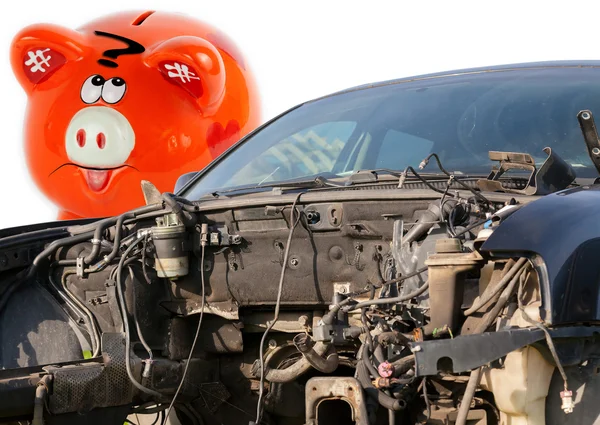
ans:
(416, 251)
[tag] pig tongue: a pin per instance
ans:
(96, 179)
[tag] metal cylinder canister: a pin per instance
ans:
(172, 260)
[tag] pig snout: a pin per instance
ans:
(99, 137)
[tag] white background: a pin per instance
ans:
(303, 49)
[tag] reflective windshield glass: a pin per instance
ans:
(460, 117)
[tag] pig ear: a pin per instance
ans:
(38, 51)
(194, 65)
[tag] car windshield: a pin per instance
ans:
(460, 117)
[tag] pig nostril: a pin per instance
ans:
(101, 140)
(81, 138)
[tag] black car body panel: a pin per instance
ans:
(564, 230)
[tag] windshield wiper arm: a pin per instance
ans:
(315, 182)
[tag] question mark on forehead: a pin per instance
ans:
(133, 48)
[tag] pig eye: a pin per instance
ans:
(92, 89)
(113, 90)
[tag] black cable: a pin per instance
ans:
(408, 276)
(135, 317)
(424, 163)
(471, 227)
(365, 323)
(126, 324)
(293, 223)
(144, 271)
(451, 222)
(394, 300)
(97, 341)
(185, 370)
(366, 358)
(417, 175)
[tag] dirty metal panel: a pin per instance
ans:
(335, 388)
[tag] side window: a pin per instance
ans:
(313, 150)
(399, 150)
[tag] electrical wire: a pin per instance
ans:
(187, 364)
(135, 317)
(75, 308)
(96, 343)
(405, 277)
(293, 223)
(443, 170)
(417, 175)
(144, 271)
(125, 318)
(547, 335)
(471, 227)
(394, 300)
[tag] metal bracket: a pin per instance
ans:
(79, 266)
(335, 388)
(590, 135)
(467, 352)
(554, 174)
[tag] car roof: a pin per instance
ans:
(466, 71)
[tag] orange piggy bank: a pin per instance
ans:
(125, 98)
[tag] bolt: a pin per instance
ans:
(272, 344)
(294, 262)
(303, 320)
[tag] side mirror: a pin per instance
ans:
(183, 180)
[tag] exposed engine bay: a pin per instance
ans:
(369, 306)
(318, 289)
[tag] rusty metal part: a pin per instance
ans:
(305, 345)
(555, 174)
(294, 371)
(382, 383)
(346, 389)
(288, 322)
(443, 415)
(446, 282)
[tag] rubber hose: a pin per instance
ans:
(186, 218)
(465, 404)
(395, 300)
(296, 370)
(385, 400)
(488, 295)
(403, 365)
(41, 392)
(305, 345)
